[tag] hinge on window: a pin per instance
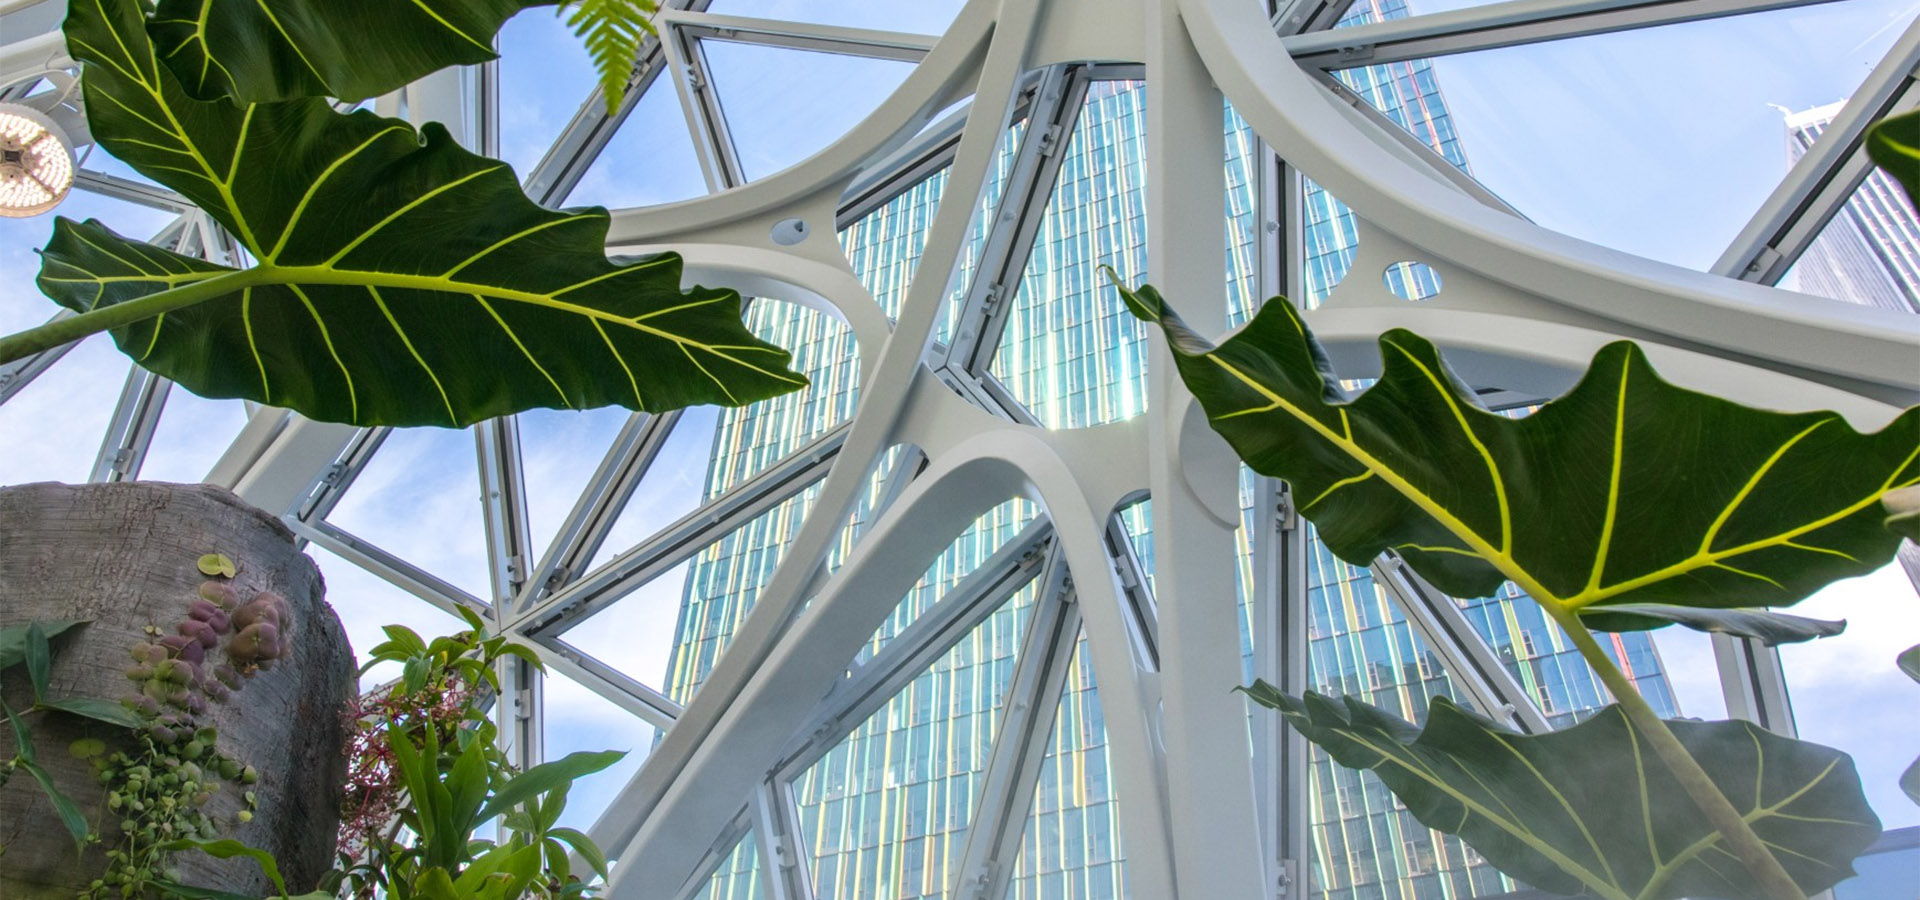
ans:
(1050, 140)
(1762, 263)
(1285, 516)
(123, 460)
(1356, 53)
(990, 303)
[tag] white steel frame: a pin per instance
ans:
(1523, 310)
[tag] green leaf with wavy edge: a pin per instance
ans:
(13, 639)
(1627, 490)
(400, 279)
(1590, 808)
(1903, 512)
(260, 51)
(1770, 628)
(1894, 145)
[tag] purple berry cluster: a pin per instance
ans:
(179, 673)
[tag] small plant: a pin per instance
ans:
(425, 773)
(31, 644)
(158, 791)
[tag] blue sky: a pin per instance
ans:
(1660, 142)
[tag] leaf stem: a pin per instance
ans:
(1741, 839)
(62, 331)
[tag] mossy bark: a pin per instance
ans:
(124, 557)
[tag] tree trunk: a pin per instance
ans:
(124, 557)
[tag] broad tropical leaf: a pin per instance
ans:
(1894, 145)
(258, 51)
(612, 31)
(1628, 490)
(399, 280)
(1590, 808)
(1770, 628)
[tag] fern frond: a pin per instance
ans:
(612, 31)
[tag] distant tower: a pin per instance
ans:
(1870, 253)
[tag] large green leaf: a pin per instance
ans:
(399, 280)
(1590, 807)
(259, 51)
(1628, 490)
(1894, 144)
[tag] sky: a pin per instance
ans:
(1661, 142)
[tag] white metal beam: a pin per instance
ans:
(1493, 25)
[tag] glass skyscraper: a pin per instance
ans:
(1870, 252)
(884, 813)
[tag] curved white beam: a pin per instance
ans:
(1251, 66)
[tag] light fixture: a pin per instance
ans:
(36, 162)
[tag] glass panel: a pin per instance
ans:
(1071, 353)
(192, 434)
(885, 812)
(782, 105)
(884, 246)
(649, 160)
(1072, 846)
(366, 603)
(668, 632)
(1361, 645)
(423, 477)
(575, 719)
(1244, 160)
(1869, 253)
(981, 540)
(51, 430)
(1657, 141)
(671, 487)
(545, 74)
(1843, 687)
(738, 877)
(753, 438)
(919, 17)
(559, 451)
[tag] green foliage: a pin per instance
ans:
(261, 51)
(399, 279)
(1626, 504)
(1627, 490)
(1589, 809)
(424, 762)
(30, 644)
(613, 31)
(13, 639)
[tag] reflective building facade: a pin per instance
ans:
(1870, 252)
(885, 812)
